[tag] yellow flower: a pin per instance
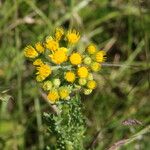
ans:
(82, 72)
(72, 36)
(59, 56)
(95, 66)
(100, 56)
(75, 59)
(70, 76)
(64, 92)
(91, 84)
(39, 47)
(59, 33)
(30, 52)
(38, 62)
(51, 44)
(43, 72)
(53, 96)
(91, 49)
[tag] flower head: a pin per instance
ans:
(30, 52)
(72, 36)
(70, 76)
(64, 92)
(47, 85)
(51, 44)
(59, 56)
(38, 62)
(53, 96)
(91, 49)
(95, 66)
(91, 84)
(82, 72)
(43, 72)
(59, 32)
(100, 56)
(75, 59)
(39, 47)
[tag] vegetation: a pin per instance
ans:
(116, 113)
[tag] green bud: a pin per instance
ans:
(47, 85)
(56, 82)
(90, 76)
(87, 60)
(87, 91)
(82, 81)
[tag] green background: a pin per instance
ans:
(121, 27)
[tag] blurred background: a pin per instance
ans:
(121, 27)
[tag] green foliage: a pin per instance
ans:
(121, 27)
(68, 125)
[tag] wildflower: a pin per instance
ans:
(30, 52)
(51, 44)
(38, 62)
(87, 91)
(82, 72)
(72, 36)
(43, 72)
(39, 47)
(91, 84)
(75, 59)
(59, 56)
(59, 33)
(47, 85)
(82, 81)
(100, 56)
(95, 66)
(56, 82)
(64, 92)
(53, 96)
(87, 60)
(70, 76)
(91, 49)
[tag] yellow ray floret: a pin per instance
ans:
(100, 56)
(39, 47)
(64, 92)
(30, 52)
(43, 72)
(53, 96)
(95, 66)
(59, 32)
(75, 59)
(70, 76)
(38, 62)
(59, 56)
(91, 49)
(51, 44)
(72, 36)
(91, 84)
(82, 72)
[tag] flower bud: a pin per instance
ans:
(82, 81)
(90, 76)
(87, 60)
(47, 85)
(56, 82)
(87, 91)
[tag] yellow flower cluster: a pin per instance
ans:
(62, 69)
